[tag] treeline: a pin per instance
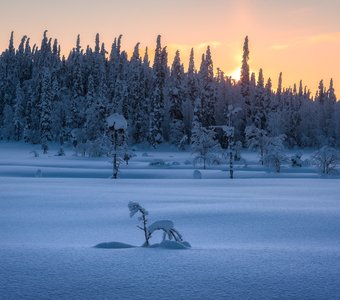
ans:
(47, 97)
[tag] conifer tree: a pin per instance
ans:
(245, 82)
(45, 117)
(176, 99)
(208, 90)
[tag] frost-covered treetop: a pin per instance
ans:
(135, 207)
(117, 121)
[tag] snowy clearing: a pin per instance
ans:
(273, 236)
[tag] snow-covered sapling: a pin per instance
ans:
(296, 160)
(326, 159)
(274, 153)
(117, 126)
(135, 207)
(166, 226)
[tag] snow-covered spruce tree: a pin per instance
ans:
(245, 85)
(19, 119)
(176, 95)
(135, 208)
(229, 131)
(160, 74)
(203, 143)
(8, 130)
(45, 117)
(192, 90)
(289, 111)
(256, 133)
(326, 159)
(208, 90)
(136, 89)
(325, 103)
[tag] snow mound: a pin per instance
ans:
(113, 245)
(166, 244)
(157, 163)
(197, 174)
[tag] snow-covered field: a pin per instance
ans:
(260, 236)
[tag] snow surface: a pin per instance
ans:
(271, 236)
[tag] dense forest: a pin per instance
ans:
(46, 97)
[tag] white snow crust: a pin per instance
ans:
(260, 236)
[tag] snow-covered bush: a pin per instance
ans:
(61, 151)
(237, 151)
(296, 160)
(256, 139)
(197, 174)
(127, 156)
(183, 142)
(157, 163)
(326, 159)
(187, 162)
(35, 153)
(274, 154)
(204, 146)
(38, 173)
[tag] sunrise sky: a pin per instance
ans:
(300, 38)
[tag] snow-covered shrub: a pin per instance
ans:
(296, 160)
(204, 146)
(237, 151)
(326, 159)
(145, 154)
(35, 153)
(157, 163)
(256, 139)
(61, 151)
(175, 163)
(274, 154)
(127, 156)
(197, 174)
(187, 162)
(183, 142)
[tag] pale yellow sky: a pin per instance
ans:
(299, 38)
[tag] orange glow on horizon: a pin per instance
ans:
(305, 48)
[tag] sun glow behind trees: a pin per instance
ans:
(298, 38)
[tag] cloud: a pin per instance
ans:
(279, 47)
(324, 38)
(332, 37)
(200, 46)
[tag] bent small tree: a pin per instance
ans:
(135, 207)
